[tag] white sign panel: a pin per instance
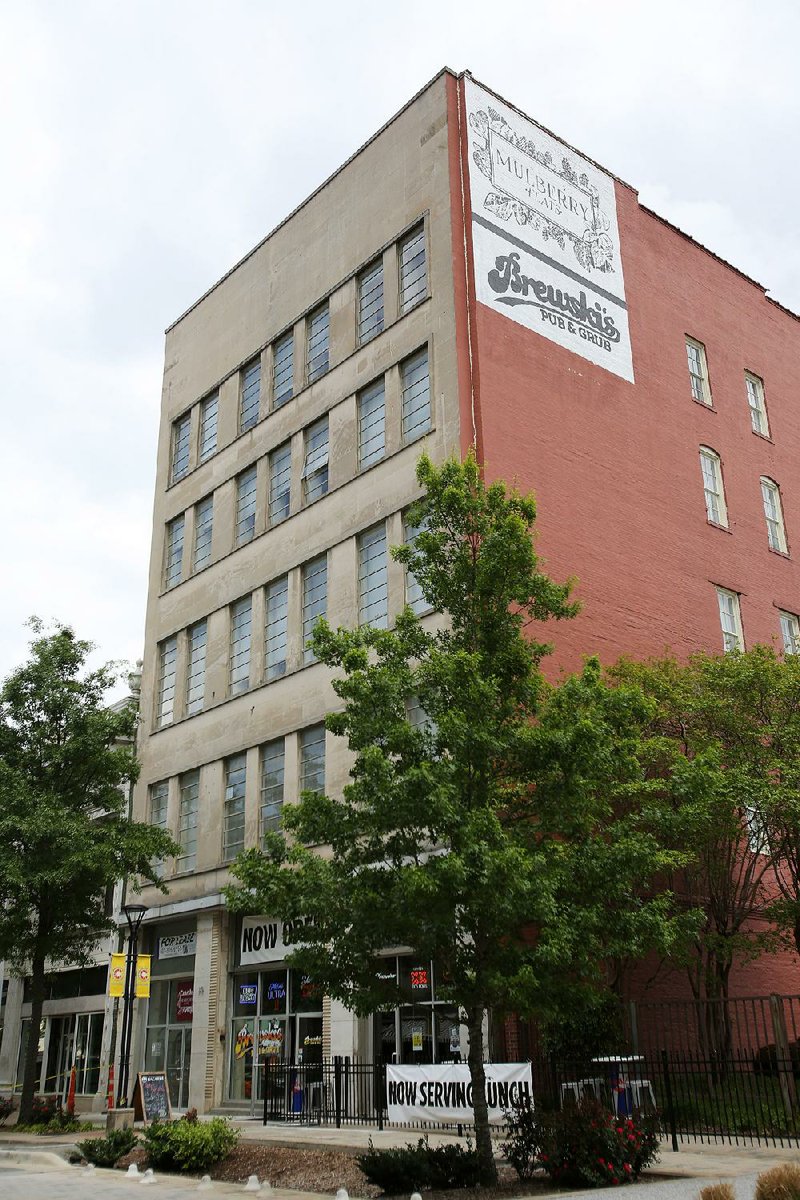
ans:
(265, 940)
(177, 945)
(444, 1093)
(545, 236)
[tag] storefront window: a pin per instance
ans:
(277, 1019)
(423, 1028)
(169, 1034)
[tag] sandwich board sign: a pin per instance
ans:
(151, 1097)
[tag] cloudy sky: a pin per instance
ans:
(147, 145)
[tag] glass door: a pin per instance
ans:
(179, 1052)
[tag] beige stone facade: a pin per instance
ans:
(214, 696)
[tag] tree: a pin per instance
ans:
(479, 825)
(725, 740)
(65, 836)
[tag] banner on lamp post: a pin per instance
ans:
(116, 975)
(142, 976)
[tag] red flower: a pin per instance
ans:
(626, 1168)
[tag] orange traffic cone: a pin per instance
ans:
(73, 1077)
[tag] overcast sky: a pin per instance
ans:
(147, 145)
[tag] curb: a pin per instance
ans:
(49, 1160)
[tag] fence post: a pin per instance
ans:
(670, 1105)
(337, 1089)
(379, 1086)
(266, 1089)
(783, 1057)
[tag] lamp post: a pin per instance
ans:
(134, 915)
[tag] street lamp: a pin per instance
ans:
(134, 915)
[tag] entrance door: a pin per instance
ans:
(179, 1048)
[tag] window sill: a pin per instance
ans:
(765, 437)
(779, 553)
(707, 404)
(716, 525)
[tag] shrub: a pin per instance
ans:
(718, 1191)
(765, 1059)
(779, 1183)
(189, 1145)
(45, 1109)
(106, 1152)
(7, 1106)
(524, 1140)
(585, 1145)
(412, 1168)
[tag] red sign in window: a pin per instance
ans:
(419, 979)
(184, 1001)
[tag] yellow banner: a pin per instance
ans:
(116, 976)
(143, 976)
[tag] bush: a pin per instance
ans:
(106, 1152)
(583, 1146)
(7, 1106)
(189, 1145)
(524, 1144)
(779, 1183)
(46, 1109)
(718, 1191)
(412, 1168)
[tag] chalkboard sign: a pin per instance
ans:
(151, 1097)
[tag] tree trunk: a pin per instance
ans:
(29, 1080)
(483, 1141)
(797, 933)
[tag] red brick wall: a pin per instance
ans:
(615, 466)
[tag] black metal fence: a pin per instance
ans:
(740, 1097)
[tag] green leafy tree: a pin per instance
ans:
(65, 762)
(724, 738)
(481, 823)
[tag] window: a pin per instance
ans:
(414, 595)
(272, 770)
(756, 404)
(711, 468)
(317, 348)
(283, 369)
(790, 632)
(371, 424)
(315, 468)
(209, 412)
(373, 580)
(417, 716)
(241, 616)
(277, 625)
(167, 667)
(312, 759)
(233, 811)
(246, 506)
(173, 555)
(315, 599)
(698, 371)
(187, 821)
(730, 619)
(413, 271)
(196, 667)
(415, 386)
(179, 462)
(776, 534)
(370, 302)
(159, 797)
(249, 395)
(159, 800)
(203, 527)
(280, 483)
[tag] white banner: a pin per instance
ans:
(443, 1092)
(265, 940)
(177, 945)
(545, 235)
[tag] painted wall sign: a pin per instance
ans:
(443, 1092)
(177, 945)
(262, 940)
(545, 235)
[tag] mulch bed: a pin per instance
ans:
(328, 1170)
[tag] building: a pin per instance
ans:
(464, 279)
